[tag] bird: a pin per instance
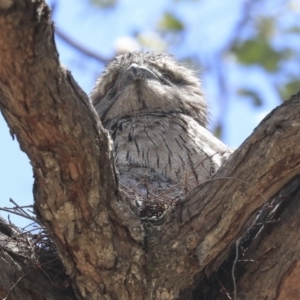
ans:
(156, 114)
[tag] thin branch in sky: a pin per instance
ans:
(79, 47)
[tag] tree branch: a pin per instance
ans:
(75, 190)
(204, 228)
(99, 239)
(77, 46)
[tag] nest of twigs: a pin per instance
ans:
(153, 201)
(34, 245)
(153, 204)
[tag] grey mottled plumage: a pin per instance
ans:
(156, 114)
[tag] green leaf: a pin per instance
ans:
(259, 51)
(289, 89)
(293, 29)
(152, 41)
(104, 3)
(266, 27)
(170, 23)
(218, 130)
(251, 94)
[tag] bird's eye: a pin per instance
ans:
(167, 77)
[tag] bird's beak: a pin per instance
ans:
(139, 72)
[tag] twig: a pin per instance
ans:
(19, 207)
(19, 214)
(237, 243)
(78, 46)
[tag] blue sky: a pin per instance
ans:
(98, 30)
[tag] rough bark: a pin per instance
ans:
(75, 185)
(106, 251)
(272, 266)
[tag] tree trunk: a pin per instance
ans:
(107, 252)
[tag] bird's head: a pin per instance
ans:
(139, 82)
